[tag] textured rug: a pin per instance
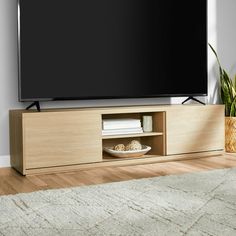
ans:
(191, 204)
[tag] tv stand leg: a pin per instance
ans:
(36, 103)
(194, 99)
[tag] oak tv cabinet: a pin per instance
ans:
(57, 140)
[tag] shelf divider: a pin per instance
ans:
(145, 134)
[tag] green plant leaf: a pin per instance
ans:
(235, 82)
(228, 89)
(233, 107)
(229, 85)
(217, 58)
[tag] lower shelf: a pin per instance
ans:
(110, 158)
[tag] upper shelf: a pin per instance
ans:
(146, 134)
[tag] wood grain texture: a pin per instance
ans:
(11, 182)
(110, 162)
(195, 129)
(122, 111)
(16, 141)
(145, 134)
(61, 138)
(159, 124)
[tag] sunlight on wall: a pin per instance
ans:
(213, 82)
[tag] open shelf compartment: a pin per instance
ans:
(154, 139)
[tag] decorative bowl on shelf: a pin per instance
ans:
(133, 153)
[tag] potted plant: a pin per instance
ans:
(228, 97)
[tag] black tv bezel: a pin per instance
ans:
(20, 99)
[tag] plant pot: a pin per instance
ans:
(230, 134)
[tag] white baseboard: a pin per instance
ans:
(5, 161)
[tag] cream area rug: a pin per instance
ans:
(191, 204)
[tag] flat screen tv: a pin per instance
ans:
(91, 49)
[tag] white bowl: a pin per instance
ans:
(133, 153)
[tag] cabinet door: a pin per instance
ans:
(195, 129)
(61, 138)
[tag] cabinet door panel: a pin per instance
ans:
(195, 129)
(61, 138)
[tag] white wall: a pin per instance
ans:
(220, 13)
(8, 69)
(226, 34)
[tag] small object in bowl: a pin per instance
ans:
(119, 147)
(133, 145)
(128, 154)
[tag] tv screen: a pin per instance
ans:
(85, 49)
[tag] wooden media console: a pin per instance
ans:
(57, 140)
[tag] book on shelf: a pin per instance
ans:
(122, 131)
(109, 124)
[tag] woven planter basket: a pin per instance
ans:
(230, 134)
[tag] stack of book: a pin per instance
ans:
(121, 126)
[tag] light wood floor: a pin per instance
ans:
(12, 182)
